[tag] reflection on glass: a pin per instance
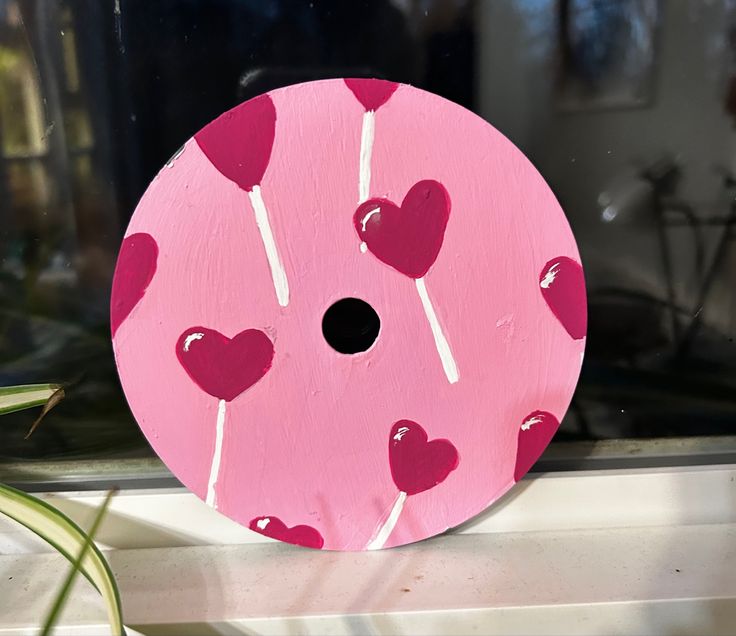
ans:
(78, 129)
(20, 101)
(607, 52)
(69, 45)
(616, 103)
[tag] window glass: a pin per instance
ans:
(626, 107)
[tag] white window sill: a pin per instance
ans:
(628, 551)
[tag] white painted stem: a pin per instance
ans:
(217, 455)
(384, 532)
(280, 283)
(366, 150)
(443, 347)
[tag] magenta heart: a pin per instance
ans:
(133, 273)
(239, 142)
(372, 93)
(221, 366)
(563, 287)
(298, 535)
(535, 433)
(408, 238)
(417, 464)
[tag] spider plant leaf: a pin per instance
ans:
(67, 538)
(64, 591)
(17, 398)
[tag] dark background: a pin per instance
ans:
(625, 107)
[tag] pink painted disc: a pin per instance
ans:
(309, 195)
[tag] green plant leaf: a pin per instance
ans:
(63, 593)
(17, 398)
(67, 538)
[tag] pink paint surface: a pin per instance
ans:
(307, 442)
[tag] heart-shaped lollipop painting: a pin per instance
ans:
(223, 367)
(408, 237)
(252, 404)
(563, 287)
(372, 94)
(274, 528)
(133, 273)
(535, 433)
(417, 464)
(239, 143)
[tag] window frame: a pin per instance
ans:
(610, 551)
(151, 473)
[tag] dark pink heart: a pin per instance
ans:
(408, 238)
(239, 142)
(535, 433)
(133, 273)
(372, 93)
(417, 464)
(221, 366)
(298, 535)
(563, 287)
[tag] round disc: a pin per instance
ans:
(349, 314)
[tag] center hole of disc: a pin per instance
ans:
(350, 325)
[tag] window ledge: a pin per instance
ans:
(635, 551)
